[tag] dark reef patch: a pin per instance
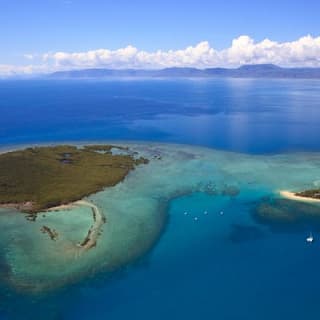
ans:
(231, 191)
(286, 214)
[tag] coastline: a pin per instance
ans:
(91, 238)
(67, 206)
(66, 172)
(292, 196)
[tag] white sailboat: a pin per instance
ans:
(310, 238)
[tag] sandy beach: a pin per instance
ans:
(93, 233)
(90, 240)
(61, 207)
(292, 196)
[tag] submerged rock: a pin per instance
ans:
(286, 213)
(231, 191)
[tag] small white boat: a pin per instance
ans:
(195, 218)
(221, 213)
(205, 212)
(310, 238)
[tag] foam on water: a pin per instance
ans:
(135, 210)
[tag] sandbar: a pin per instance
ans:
(293, 196)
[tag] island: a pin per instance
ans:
(310, 195)
(292, 209)
(39, 178)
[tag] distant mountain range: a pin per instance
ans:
(245, 71)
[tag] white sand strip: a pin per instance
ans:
(292, 196)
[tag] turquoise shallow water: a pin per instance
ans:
(226, 266)
(211, 253)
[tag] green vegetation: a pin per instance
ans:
(38, 178)
(312, 193)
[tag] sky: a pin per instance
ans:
(44, 36)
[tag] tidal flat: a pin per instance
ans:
(135, 211)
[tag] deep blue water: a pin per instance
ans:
(208, 270)
(256, 116)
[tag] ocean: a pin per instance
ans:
(208, 257)
(245, 115)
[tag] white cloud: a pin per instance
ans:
(243, 50)
(130, 57)
(302, 52)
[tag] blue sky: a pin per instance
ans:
(38, 27)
